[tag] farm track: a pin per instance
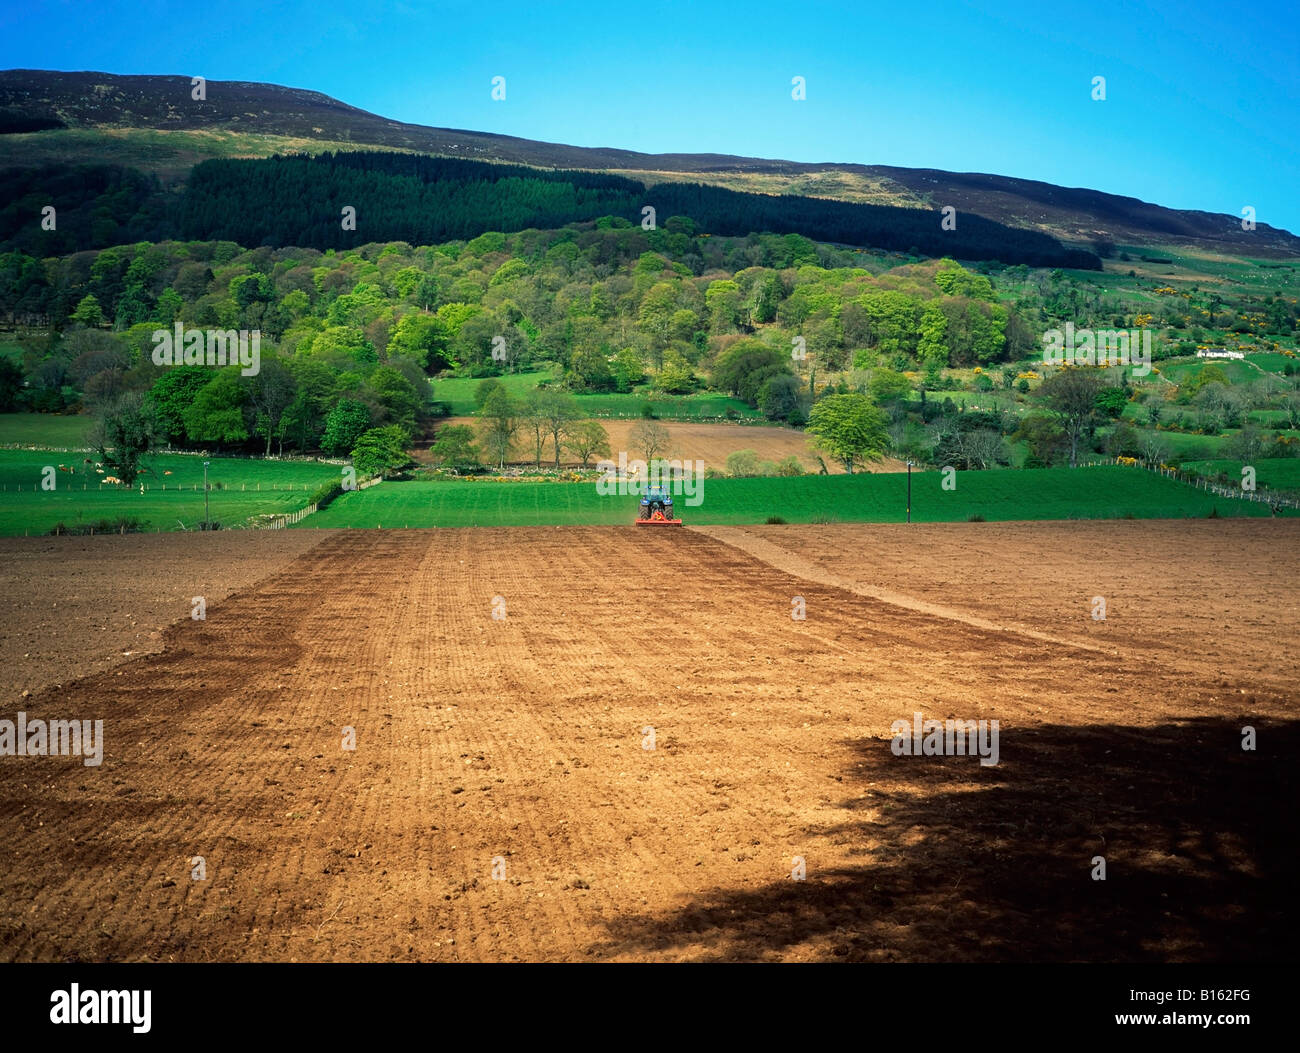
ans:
(520, 740)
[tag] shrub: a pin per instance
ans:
(120, 525)
(975, 517)
(774, 521)
(325, 494)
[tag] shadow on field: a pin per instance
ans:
(962, 863)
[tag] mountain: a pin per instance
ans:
(153, 123)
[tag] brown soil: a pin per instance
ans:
(521, 739)
(77, 605)
(710, 443)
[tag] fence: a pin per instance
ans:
(194, 487)
(288, 519)
(1264, 496)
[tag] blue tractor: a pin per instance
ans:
(657, 508)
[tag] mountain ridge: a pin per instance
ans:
(158, 102)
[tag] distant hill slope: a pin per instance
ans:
(267, 116)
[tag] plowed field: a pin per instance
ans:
(500, 803)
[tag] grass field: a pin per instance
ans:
(678, 407)
(1277, 473)
(1004, 495)
(43, 429)
(458, 392)
(241, 488)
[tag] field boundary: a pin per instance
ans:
(288, 519)
(1197, 482)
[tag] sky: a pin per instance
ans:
(1201, 108)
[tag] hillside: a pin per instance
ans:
(151, 122)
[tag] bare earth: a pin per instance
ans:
(515, 745)
(710, 443)
(73, 606)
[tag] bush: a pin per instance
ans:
(774, 521)
(325, 494)
(975, 517)
(742, 464)
(120, 525)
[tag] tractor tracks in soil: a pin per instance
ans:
(499, 803)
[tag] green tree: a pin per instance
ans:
(933, 344)
(746, 366)
(849, 428)
(270, 394)
(344, 425)
(675, 377)
(587, 439)
(11, 384)
(723, 301)
(123, 435)
(590, 368)
(1111, 401)
(398, 400)
(483, 389)
(303, 422)
(338, 343)
(558, 411)
(88, 312)
(499, 421)
(629, 369)
(422, 337)
(454, 447)
(1072, 395)
(1043, 434)
(217, 413)
(381, 451)
(742, 464)
(172, 394)
(780, 396)
(888, 385)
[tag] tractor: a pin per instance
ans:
(657, 508)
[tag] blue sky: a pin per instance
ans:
(1202, 104)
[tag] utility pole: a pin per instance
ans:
(909, 491)
(207, 520)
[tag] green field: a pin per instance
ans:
(458, 393)
(1049, 493)
(1276, 473)
(667, 407)
(241, 488)
(47, 430)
